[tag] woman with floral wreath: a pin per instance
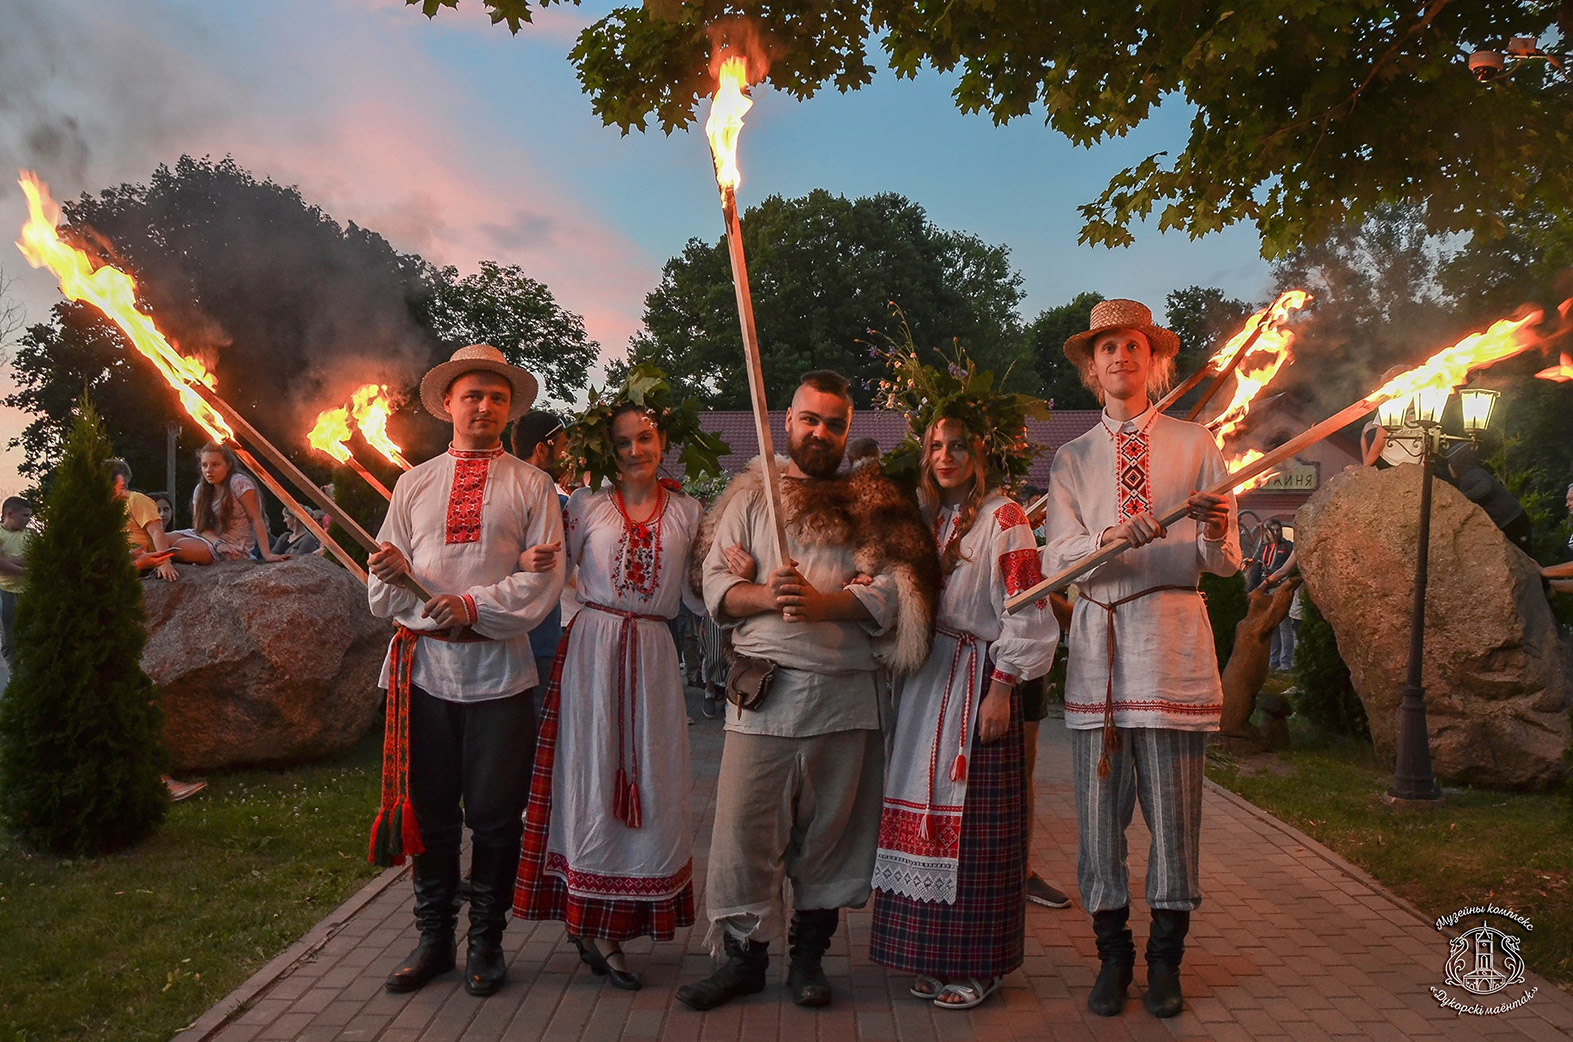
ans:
(608, 845)
(950, 874)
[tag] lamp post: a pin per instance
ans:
(1420, 416)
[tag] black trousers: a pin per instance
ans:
(470, 764)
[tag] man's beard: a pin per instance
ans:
(815, 457)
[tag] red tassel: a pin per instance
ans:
(376, 829)
(1103, 766)
(635, 818)
(411, 832)
(958, 769)
(620, 795)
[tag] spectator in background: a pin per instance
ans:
(227, 521)
(1273, 557)
(150, 549)
(860, 450)
(297, 540)
(166, 509)
(1475, 480)
(539, 438)
(15, 515)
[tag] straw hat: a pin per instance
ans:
(1122, 314)
(477, 358)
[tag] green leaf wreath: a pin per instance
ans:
(646, 386)
(958, 391)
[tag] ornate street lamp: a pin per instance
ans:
(1419, 418)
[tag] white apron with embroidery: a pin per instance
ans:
(622, 712)
(936, 718)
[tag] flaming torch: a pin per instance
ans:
(722, 128)
(331, 436)
(372, 406)
(114, 293)
(1443, 371)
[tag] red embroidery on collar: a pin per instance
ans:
(467, 494)
(491, 453)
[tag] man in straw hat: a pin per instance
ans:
(461, 722)
(1142, 686)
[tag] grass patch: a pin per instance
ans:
(137, 945)
(1512, 849)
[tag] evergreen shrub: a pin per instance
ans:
(81, 727)
(1323, 693)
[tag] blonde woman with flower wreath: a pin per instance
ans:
(950, 875)
(608, 841)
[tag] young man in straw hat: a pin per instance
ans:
(1142, 686)
(461, 723)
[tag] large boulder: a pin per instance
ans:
(1496, 672)
(263, 663)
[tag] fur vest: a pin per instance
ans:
(879, 522)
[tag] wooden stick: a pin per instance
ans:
(1233, 363)
(371, 479)
(1065, 576)
(293, 473)
(756, 372)
(300, 512)
(1179, 392)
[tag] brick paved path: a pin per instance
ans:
(1292, 943)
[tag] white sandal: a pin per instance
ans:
(971, 990)
(926, 987)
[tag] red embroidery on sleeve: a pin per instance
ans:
(470, 610)
(1021, 569)
(1010, 515)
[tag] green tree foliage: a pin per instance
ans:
(502, 306)
(1304, 114)
(289, 309)
(81, 727)
(1323, 692)
(824, 271)
(1203, 318)
(1046, 338)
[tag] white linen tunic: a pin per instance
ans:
(461, 520)
(616, 669)
(921, 824)
(1165, 667)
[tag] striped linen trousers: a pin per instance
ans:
(1162, 768)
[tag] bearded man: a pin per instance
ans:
(1141, 686)
(802, 772)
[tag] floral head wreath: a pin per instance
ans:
(645, 387)
(960, 392)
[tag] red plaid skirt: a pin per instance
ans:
(540, 894)
(981, 934)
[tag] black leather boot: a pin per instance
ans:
(743, 973)
(1165, 949)
(1116, 958)
(436, 877)
(494, 867)
(809, 939)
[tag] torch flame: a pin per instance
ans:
(726, 121)
(1256, 370)
(372, 405)
(1560, 373)
(114, 293)
(331, 432)
(1451, 366)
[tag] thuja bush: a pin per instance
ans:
(1324, 694)
(81, 729)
